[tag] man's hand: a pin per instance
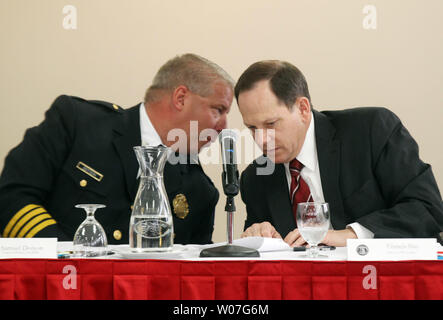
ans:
(294, 239)
(264, 229)
(335, 238)
(338, 238)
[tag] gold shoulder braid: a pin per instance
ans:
(180, 204)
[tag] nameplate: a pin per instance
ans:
(391, 249)
(28, 248)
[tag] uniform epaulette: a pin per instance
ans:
(112, 106)
(108, 105)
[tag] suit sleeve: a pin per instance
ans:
(252, 216)
(29, 173)
(407, 185)
(244, 198)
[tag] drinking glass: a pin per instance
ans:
(90, 238)
(313, 220)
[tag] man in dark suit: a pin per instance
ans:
(83, 153)
(362, 161)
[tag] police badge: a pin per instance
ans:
(180, 205)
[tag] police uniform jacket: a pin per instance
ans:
(83, 153)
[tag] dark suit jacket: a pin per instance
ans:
(370, 173)
(42, 170)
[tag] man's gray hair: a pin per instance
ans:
(195, 72)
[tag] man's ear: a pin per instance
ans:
(303, 108)
(179, 96)
(304, 105)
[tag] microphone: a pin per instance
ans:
(231, 188)
(230, 181)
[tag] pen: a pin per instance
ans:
(323, 248)
(65, 254)
(70, 254)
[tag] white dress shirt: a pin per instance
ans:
(311, 174)
(149, 135)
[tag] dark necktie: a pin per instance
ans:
(299, 188)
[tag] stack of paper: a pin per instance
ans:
(262, 244)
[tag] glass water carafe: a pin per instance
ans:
(151, 227)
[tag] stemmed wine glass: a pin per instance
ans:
(313, 220)
(90, 238)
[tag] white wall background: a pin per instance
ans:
(118, 46)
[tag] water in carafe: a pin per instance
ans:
(151, 225)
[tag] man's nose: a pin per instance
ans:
(264, 139)
(257, 135)
(221, 124)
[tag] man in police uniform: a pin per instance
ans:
(83, 153)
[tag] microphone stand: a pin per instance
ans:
(231, 188)
(230, 209)
(229, 250)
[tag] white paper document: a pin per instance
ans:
(262, 244)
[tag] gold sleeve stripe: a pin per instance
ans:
(31, 224)
(28, 216)
(17, 216)
(40, 227)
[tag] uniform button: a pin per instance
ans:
(83, 183)
(132, 207)
(115, 106)
(117, 234)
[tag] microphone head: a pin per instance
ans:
(230, 180)
(227, 133)
(228, 139)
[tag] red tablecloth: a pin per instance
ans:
(206, 280)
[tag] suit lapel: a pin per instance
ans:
(278, 200)
(127, 135)
(328, 152)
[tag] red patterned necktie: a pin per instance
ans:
(299, 188)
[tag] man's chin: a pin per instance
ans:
(275, 156)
